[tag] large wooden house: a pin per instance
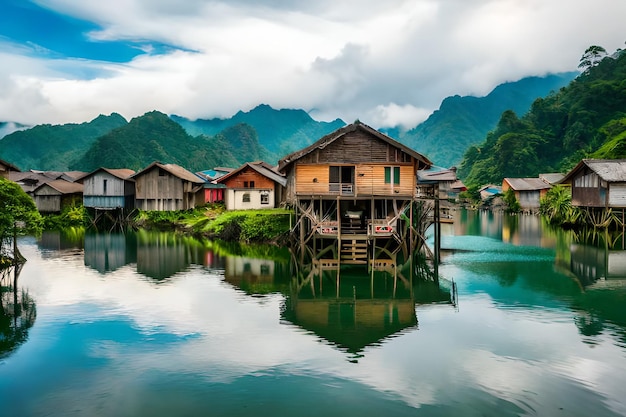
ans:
(108, 189)
(354, 186)
(254, 185)
(598, 183)
(165, 187)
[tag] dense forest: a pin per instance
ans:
(55, 147)
(585, 119)
(156, 137)
(461, 122)
(111, 141)
(280, 132)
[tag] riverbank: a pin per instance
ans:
(211, 221)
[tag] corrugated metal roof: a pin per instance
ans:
(552, 178)
(527, 184)
(610, 170)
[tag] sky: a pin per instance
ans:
(386, 63)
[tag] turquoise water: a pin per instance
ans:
(158, 325)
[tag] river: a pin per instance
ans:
(523, 321)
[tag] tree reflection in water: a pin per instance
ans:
(17, 312)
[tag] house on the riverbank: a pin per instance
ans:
(598, 184)
(53, 196)
(165, 187)
(528, 191)
(354, 188)
(109, 189)
(254, 185)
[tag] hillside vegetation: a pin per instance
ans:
(280, 132)
(462, 122)
(584, 119)
(156, 137)
(55, 147)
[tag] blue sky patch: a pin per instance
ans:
(55, 35)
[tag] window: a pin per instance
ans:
(265, 198)
(392, 175)
(104, 187)
(248, 184)
(245, 198)
(251, 184)
(245, 184)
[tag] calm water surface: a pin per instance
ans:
(151, 324)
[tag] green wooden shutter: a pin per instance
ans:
(387, 175)
(396, 175)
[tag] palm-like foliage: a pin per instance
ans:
(556, 205)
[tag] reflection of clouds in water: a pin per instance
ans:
(224, 335)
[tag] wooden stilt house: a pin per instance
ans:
(353, 191)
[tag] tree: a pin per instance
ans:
(592, 56)
(16, 209)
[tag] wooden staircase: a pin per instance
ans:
(354, 251)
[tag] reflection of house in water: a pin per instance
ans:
(54, 242)
(526, 231)
(161, 255)
(591, 264)
(108, 252)
(352, 311)
(254, 275)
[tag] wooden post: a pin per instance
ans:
(437, 237)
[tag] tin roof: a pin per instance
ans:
(527, 184)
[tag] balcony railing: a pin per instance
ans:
(341, 188)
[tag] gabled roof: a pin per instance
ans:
(339, 133)
(527, 184)
(121, 173)
(610, 170)
(62, 186)
(262, 168)
(175, 170)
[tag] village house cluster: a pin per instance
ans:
(355, 174)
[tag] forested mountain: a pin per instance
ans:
(280, 131)
(462, 122)
(49, 147)
(587, 118)
(156, 137)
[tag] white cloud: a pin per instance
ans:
(389, 61)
